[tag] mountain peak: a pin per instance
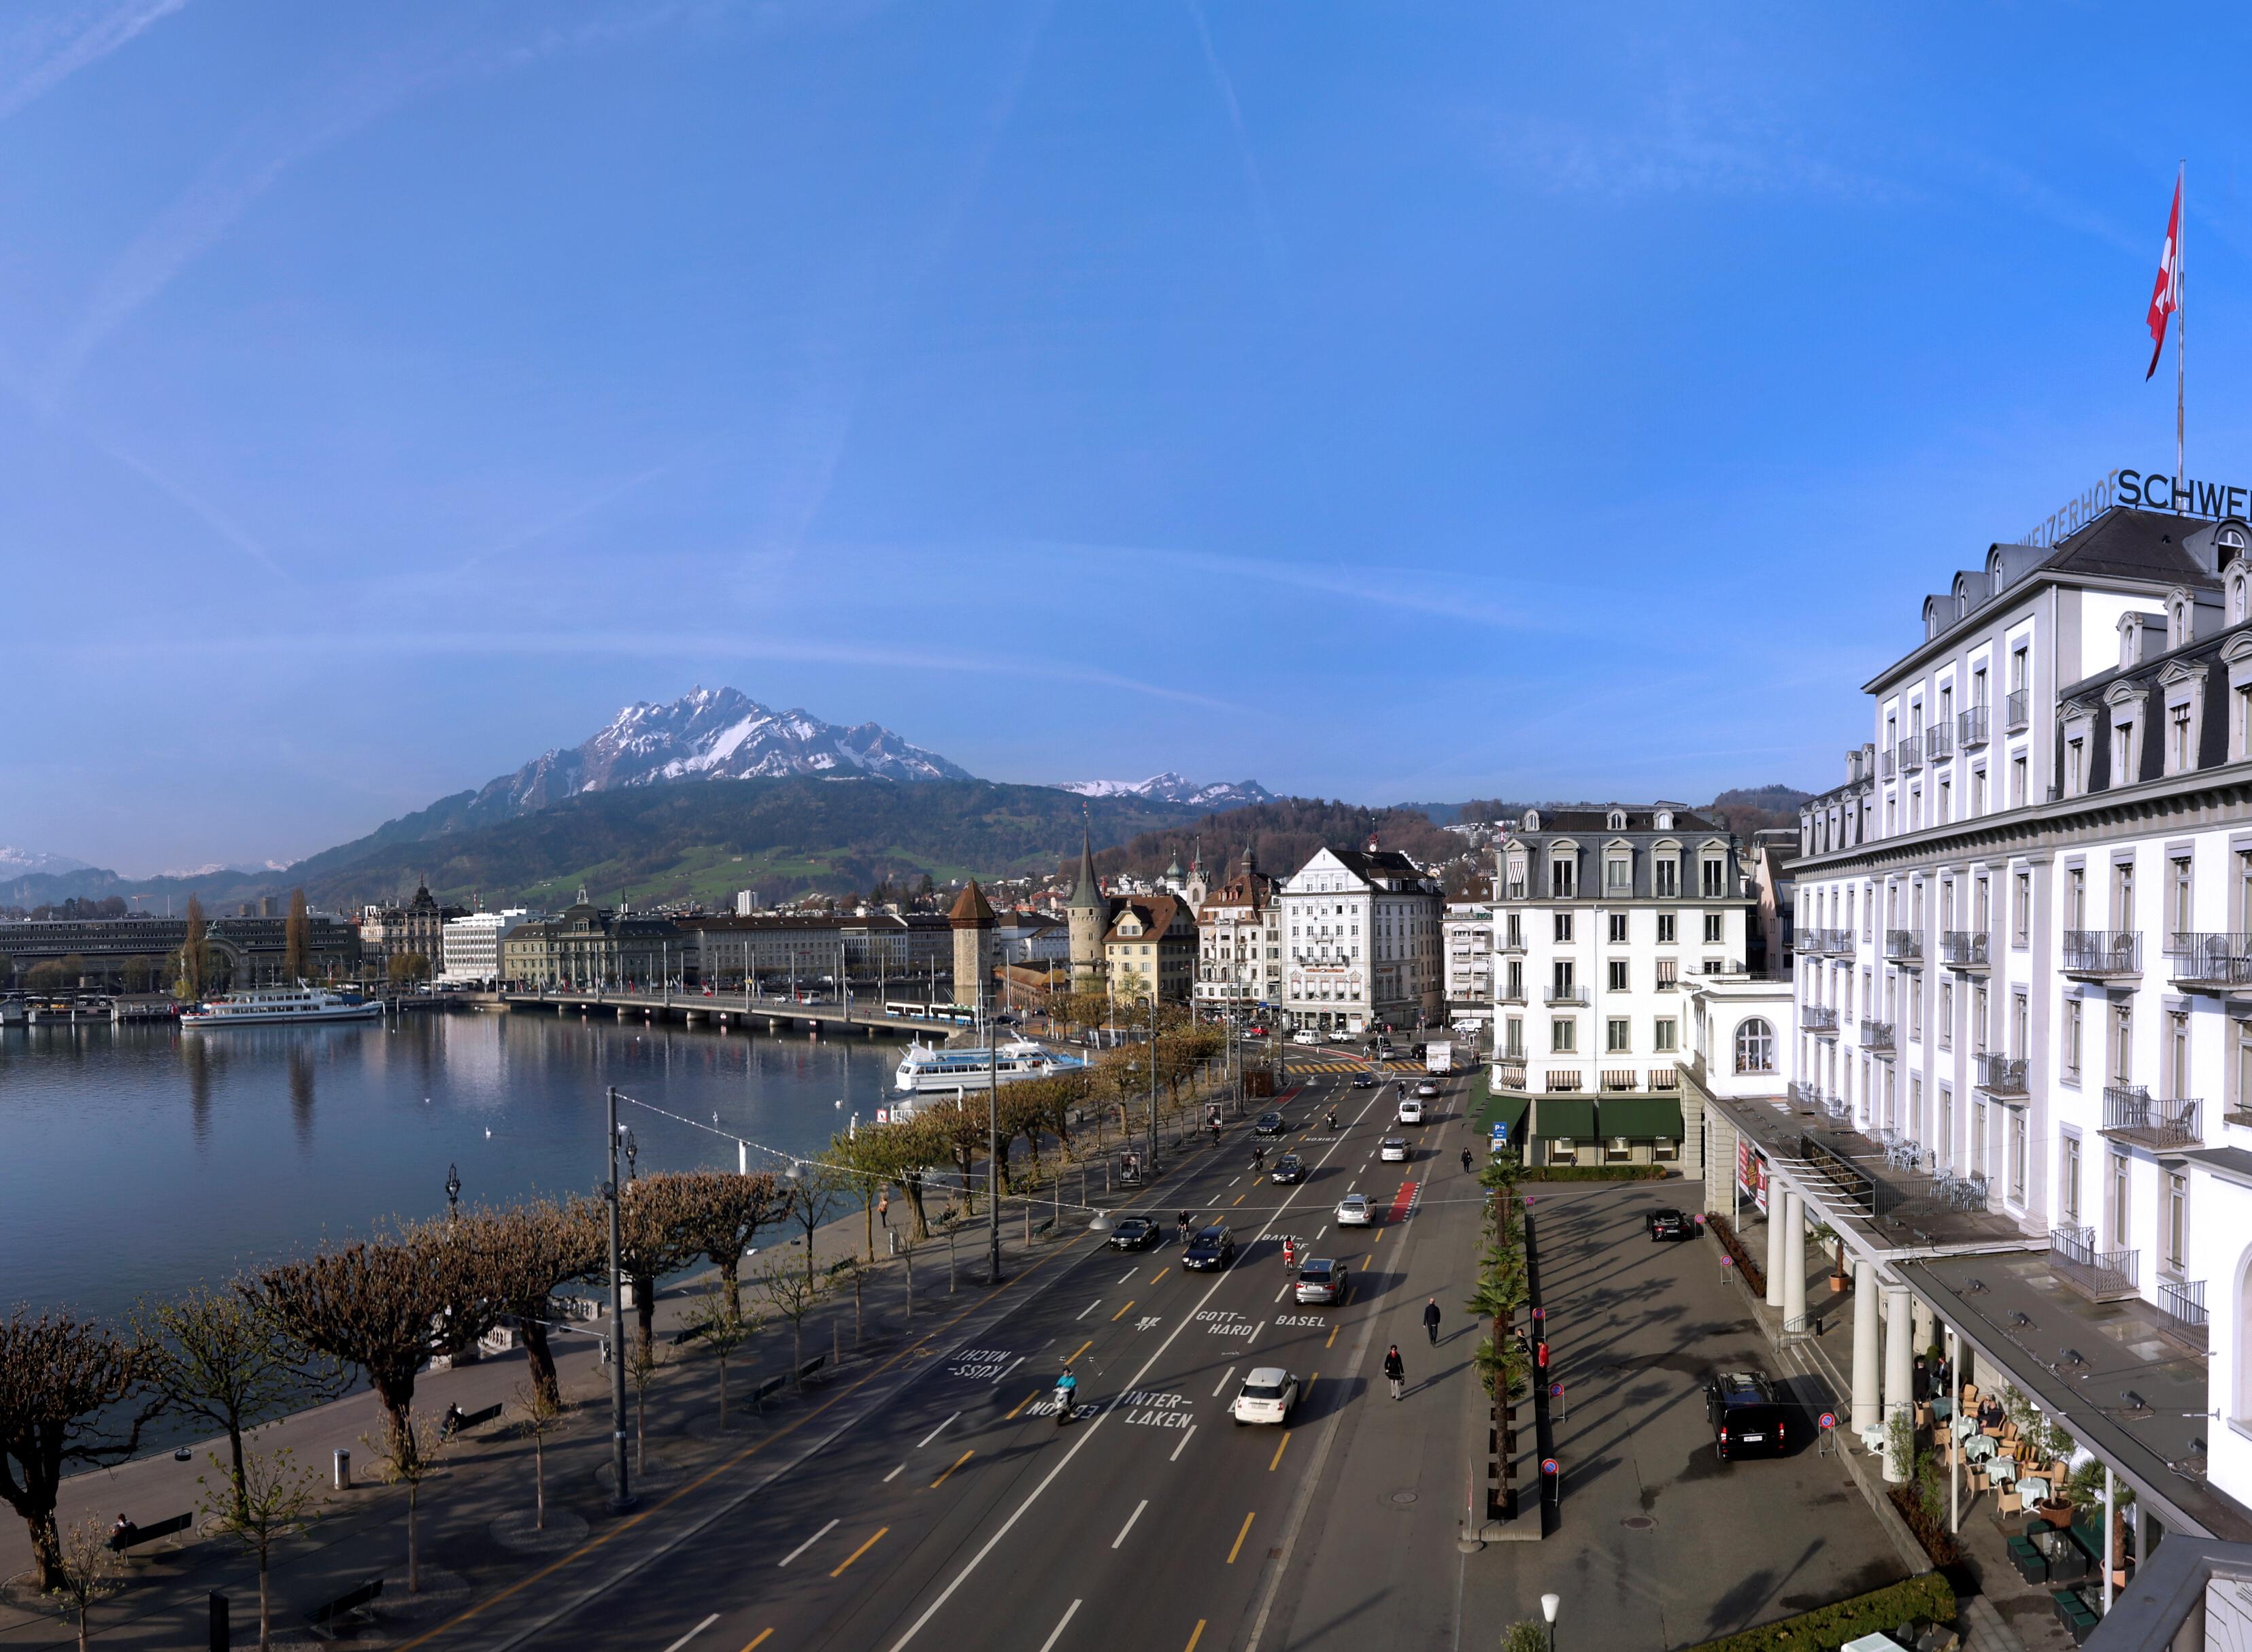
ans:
(1170, 788)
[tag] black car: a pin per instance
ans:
(1671, 1225)
(1213, 1247)
(1135, 1233)
(1269, 1124)
(1362, 1081)
(1747, 1416)
(1289, 1169)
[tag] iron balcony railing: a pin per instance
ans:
(1904, 946)
(1876, 1035)
(1568, 995)
(2102, 952)
(2204, 959)
(2017, 710)
(1507, 994)
(1839, 943)
(1971, 727)
(1999, 1074)
(1819, 1017)
(2181, 1308)
(1804, 1094)
(2131, 1114)
(1911, 753)
(1888, 763)
(1964, 948)
(1938, 741)
(2102, 1276)
(1511, 943)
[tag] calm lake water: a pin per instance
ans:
(139, 1159)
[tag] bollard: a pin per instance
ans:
(220, 1635)
(343, 1469)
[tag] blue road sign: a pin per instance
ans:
(1548, 1466)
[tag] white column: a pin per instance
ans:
(1778, 1212)
(1899, 1372)
(1920, 1326)
(1868, 1403)
(1794, 1262)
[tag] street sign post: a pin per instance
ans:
(1823, 1425)
(1560, 1412)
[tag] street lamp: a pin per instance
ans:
(453, 1193)
(1548, 1605)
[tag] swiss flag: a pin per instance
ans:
(2166, 296)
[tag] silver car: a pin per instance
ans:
(1321, 1281)
(1353, 1210)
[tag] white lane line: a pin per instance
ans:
(1176, 1457)
(707, 1624)
(1128, 1527)
(817, 1536)
(1319, 1232)
(1056, 1634)
(1285, 1291)
(888, 1478)
(1128, 1274)
(1255, 1329)
(935, 1433)
(1224, 1375)
(1089, 1309)
(1007, 1368)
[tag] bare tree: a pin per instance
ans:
(643, 1361)
(85, 1574)
(818, 1186)
(297, 939)
(216, 1356)
(539, 1413)
(722, 1327)
(519, 1254)
(408, 1456)
(723, 1213)
(265, 1497)
(656, 1236)
(61, 1381)
(195, 957)
(793, 1295)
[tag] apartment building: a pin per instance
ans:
(1240, 943)
(1466, 932)
(1362, 943)
(1600, 914)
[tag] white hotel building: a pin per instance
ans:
(2023, 1008)
(1361, 933)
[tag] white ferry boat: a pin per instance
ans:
(263, 1006)
(928, 1070)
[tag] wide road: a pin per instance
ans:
(961, 1512)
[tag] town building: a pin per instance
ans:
(1363, 942)
(1150, 950)
(470, 945)
(1466, 954)
(1087, 918)
(586, 945)
(1240, 944)
(733, 953)
(973, 923)
(415, 929)
(136, 953)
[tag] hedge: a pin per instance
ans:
(1929, 1597)
(1938, 1542)
(1595, 1173)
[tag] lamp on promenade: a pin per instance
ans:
(453, 1193)
(621, 1492)
(1548, 1605)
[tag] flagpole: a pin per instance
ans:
(2181, 313)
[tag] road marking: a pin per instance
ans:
(1333, 1331)
(758, 1641)
(1224, 1375)
(1318, 1231)
(1090, 1307)
(1176, 1457)
(1056, 1634)
(1233, 1180)
(1376, 1235)
(871, 1543)
(1232, 1553)
(1160, 1273)
(693, 1632)
(895, 1474)
(1282, 1445)
(1073, 1359)
(1121, 1313)
(1285, 1291)
(1128, 1526)
(1007, 1368)
(1238, 1199)
(935, 1433)
(951, 1467)
(817, 1536)
(1195, 1636)
(1019, 1406)
(1128, 1274)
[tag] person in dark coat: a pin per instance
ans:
(1431, 1321)
(1395, 1369)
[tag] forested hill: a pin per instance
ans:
(1282, 834)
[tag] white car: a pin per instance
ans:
(1267, 1396)
(1352, 1211)
(1305, 1037)
(1411, 1111)
(1393, 1150)
(1342, 1037)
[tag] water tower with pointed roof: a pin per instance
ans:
(973, 923)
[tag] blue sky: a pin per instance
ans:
(1381, 401)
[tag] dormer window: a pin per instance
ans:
(2240, 591)
(1618, 820)
(2181, 621)
(1664, 820)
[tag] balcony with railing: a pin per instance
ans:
(1510, 943)
(1911, 754)
(1904, 946)
(1971, 727)
(2017, 712)
(1965, 949)
(1507, 994)
(1838, 943)
(1567, 997)
(1818, 1018)
(1806, 1094)
(2210, 962)
(1999, 1074)
(2102, 955)
(2181, 1314)
(2131, 1114)
(2101, 1277)
(1939, 741)
(1888, 763)
(1876, 1037)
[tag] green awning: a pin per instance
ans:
(1504, 1109)
(1641, 1118)
(1570, 1117)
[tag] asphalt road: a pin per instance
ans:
(958, 1511)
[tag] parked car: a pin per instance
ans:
(1746, 1414)
(1352, 1211)
(1290, 1170)
(1214, 1247)
(1135, 1233)
(1269, 1124)
(1411, 1110)
(1320, 1280)
(1268, 1394)
(1671, 1225)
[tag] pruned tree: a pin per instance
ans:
(297, 939)
(64, 1384)
(656, 1235)
(86, 1575)
(194, 956)
(722, 1327)
(372, 1304)
(262, 1499)
(216, 1355)
(518, 1255)
(723, 1213)
(960, 1132)
(793, 1295)
(539, 1413)
(406, 1455)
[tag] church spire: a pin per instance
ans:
(1088, 890)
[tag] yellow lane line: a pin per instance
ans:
(1035, 1394)
(759, 1640)
(1242, 1196)
(1082, 1347)
(1115, 1317)
(1232, 1553)
(1331, 1343)
(1160, 1273)
(857, 1552)
(1274, 1463)
(1195, 1636)
(940, 1480)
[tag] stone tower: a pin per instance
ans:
(1088, 916)
(973, 923)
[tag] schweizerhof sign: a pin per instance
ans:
(2151, 489)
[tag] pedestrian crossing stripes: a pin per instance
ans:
(1353, 1067)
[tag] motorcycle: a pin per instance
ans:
(1067, 1404)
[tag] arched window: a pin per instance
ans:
(1754, 1047)
(2242, 1407)
(1618, 820)
(2240, 592)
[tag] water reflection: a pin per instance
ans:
(300, 1098)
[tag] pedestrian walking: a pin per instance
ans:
(1395, 1369)
(884, 1209)
(1431, 1321)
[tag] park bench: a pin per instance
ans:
(127, 1541)
(689, 1335)
(470, 1419)
(323, 1619)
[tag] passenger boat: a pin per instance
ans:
(928, 1070)
(263, 1006)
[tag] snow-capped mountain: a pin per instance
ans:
(1170, 788)
(708, 734)
(16, 863)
